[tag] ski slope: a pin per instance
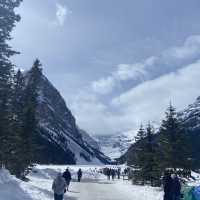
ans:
(94, 186)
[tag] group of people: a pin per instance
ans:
(172, 187)
(61, 183)
(171, 183)
(112, 173)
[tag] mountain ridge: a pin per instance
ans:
(59, 135)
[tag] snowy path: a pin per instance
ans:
(94, 186)
(106, 190)
(96, 190)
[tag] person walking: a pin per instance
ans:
(118, 173)
(176, 187)
(168, 184)
(113, 174)
(67, 176)
(108, 173)
(79, 174)
(59, 187)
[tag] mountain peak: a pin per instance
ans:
(63, 141)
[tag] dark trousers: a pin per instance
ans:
(176, 197)
(168, 197)
(79, 178)
(58, 197)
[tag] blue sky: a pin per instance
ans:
(116, 63)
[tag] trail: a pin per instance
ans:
(92, 187)
(98, 190)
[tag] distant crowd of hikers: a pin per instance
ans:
(61, 183)
(113, 173)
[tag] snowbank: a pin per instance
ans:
(10, 187)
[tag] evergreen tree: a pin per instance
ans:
(31, 124)
(139, 150)
(132, 156)
(141, 134)
(146, 156)
(7, 23)
(173, 141)
(17, 164)
(151, 169)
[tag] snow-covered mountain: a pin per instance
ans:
(117, 144)
(191, 116)
(63, 141)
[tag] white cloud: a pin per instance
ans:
(104, 85)
(92, 114)
(163, 81)
(61, 13)
(151, 68)
(190, 49)
(124, 72)
(149, 100)
(127, 72)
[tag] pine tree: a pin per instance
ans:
(151, 167)
(141, 134)
(173, 141)
(31, 124)
(17, 164)
(132, 156)
(8, 20)
(139, 151)
(146, 157)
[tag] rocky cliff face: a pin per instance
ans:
(62, 140)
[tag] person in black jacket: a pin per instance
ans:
(113, 174)
(176, 188)
(67, 176)
(79, 174)
(118, 173)
(168, 185)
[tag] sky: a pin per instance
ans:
(116, 63)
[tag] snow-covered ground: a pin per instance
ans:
(94, 186)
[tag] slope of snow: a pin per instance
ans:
(11, 188)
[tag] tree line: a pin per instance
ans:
(18, 100)
(168, 148)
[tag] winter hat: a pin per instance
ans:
(173, 176)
